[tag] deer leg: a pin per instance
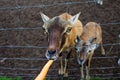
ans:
(81, 71)
(102, 49)
(87, 73)
(65, 68)
(66, 65)
(61, 65)
(88, 65)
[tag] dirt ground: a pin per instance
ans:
(26, 24)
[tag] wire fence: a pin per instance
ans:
(37, 28)
(39, 47)
(41, 5)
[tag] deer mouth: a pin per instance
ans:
(52, 55)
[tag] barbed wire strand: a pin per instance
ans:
(37, 59)
(42, 5)
(70, 69)
(38, 28)
(14, 46)
(56, 76)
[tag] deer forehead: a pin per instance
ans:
(57, 22)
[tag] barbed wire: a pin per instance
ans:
(38, 28)
(42, 47)
(50, 5)
(20, 28)
(43, 5)
(44, 59)
(11, 46)
(56, 76)
(70, 69)
(109, 74)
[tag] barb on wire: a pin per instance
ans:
(100, 2)
(2, 60)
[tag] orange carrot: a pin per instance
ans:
(44, 71)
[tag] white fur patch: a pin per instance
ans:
(91, 47)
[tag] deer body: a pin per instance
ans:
(86, 44)
(62, 31)
(75, 31)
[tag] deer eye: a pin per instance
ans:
(90, 51)
(45, 30)
(68, 30)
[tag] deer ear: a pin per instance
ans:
(74, 19)
(44, 17)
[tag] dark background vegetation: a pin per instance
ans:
(26, 24)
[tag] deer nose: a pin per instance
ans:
(51, 52)
(81, 60)
(51, 49)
